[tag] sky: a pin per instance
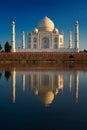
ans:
(28, 13)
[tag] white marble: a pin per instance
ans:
(46, 38)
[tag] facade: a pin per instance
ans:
(46, 38)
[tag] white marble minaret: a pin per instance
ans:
(23, 40)
(13, 36)
(77, 36)
(70, 39)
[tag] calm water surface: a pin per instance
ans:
(43, 100)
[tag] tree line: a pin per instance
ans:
(7, 47)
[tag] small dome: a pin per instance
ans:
(55, 30)
(13, 23)
(46, 24)
(35, 30)
(77, 22)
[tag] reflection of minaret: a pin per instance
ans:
(60, 82)
(23, 82)
(32, 81)
(70, 82)
(14, 85)
(52, 81)
(76, 86)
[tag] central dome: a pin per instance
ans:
(46, 24)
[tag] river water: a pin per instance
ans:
(43, 99)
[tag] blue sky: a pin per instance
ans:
(28, 13)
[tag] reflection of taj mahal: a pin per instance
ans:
(45, 84)
(46, 38)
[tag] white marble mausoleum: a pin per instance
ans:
(46, 38)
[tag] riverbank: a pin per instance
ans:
(43, 58)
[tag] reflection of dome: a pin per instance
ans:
(56, 91)
(46, 25)
(36, 91)
(47, 97)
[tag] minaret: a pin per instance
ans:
(23, 40)
(13, 36)
(70, 39)
(77, 36)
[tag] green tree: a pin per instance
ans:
(0, 47)
(85, 50)
(7, 47)
(71, 56)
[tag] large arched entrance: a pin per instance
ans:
(45, 43)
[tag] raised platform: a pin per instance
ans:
(55, 57)
(47, 50)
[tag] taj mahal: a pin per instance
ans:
(46, 38)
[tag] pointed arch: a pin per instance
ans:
(45, 42)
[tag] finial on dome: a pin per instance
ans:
(45, 17)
